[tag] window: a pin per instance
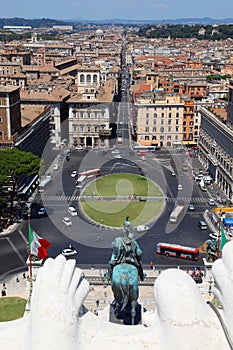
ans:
(161, 129)
(162, 115)
(96, 115)
(0, 119)
(169, 115)
(88, 128)
(177, 121)
(147, 115)
(169, 129)
(82, 78)
(154, 122)
(102, 114)
(88, 78)
(96, 128)
(177, 115)
(177, 128)
(154, 129)
(81, 128)
(147, 122)
(146, 138)
(95, 78)
(162, 122)
(74, 127)
(81, 114)
(146, 129)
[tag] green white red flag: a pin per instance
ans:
(38, 245)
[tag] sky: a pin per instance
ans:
(124, 9)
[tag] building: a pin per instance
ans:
(10, 115)
(216, 150)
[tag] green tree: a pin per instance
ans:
(13, 164)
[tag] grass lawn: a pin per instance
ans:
(122, 185)
(113, 213)
(11, 308)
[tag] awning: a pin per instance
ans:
(189, 143)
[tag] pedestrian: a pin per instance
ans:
(24, 275)
(17, 279)
(97, 303)
(151, 265)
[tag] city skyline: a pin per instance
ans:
(122, 9)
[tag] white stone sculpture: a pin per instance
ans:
(181, 320)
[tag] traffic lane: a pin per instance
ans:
(13, 255)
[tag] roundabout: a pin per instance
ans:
(109, 199)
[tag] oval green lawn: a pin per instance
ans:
(120, 186)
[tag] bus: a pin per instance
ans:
(80, 183)
(145, 148)
(44, 184)
(91, 173)
(178, 251)
(176, 213)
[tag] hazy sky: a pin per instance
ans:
(125, 9)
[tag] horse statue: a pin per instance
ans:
(124, 269)
(125, 289)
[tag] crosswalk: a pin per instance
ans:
(169, 199)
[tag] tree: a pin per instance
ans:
(13, 164)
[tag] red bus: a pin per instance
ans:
(90, 173)
(178, 251)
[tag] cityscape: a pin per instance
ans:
(108, 124)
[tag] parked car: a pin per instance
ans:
(42, 211)
(202, 225)
(211, 202)
(213, 235)
(72, 211)
(69, 252)
(74, 173)
(78, 148)
(67, 222)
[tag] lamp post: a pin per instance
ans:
(219, 231)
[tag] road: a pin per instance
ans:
(92, 241)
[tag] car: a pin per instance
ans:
(180, 187)
(142, 228)
(202, 225)
(115, 151)
(143, 158)
(191, 207)
(69, 252)
(78, 148)
(72, 211)
(213, 235)
(117, 156)
(74, 173)
(211, 202)
(67, 222)
(55, 166)
(48, 176)
(173, 173)
(42, 211)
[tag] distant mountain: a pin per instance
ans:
(47, 22)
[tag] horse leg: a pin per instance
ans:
(133, 311)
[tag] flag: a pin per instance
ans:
(223, 238)
(38, 244)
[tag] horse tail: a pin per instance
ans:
(124, 287)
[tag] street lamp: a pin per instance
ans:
(219, 231)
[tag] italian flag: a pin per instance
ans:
(38, 245)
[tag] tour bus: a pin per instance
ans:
(44, 184)
(91, 173)
(145, 148)
(80, 183)
(178, 251)
(176, 213)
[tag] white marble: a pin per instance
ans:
(181, 320)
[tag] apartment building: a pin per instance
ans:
(216, 149)
(10, 115)
(159, 119)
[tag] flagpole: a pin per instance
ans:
(30, 256)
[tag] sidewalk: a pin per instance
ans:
(101, 295)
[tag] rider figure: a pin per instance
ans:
(126, 250)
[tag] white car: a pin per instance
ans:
(69, 252)
(211, 202)
(180, 187)
(67, 222)
(142, 228)
(213, 235)
(55, 166)
(78, 148)
(72, 211)
(74, 173)
(42, 211)
(117, 156)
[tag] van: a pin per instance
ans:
(202, 225)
